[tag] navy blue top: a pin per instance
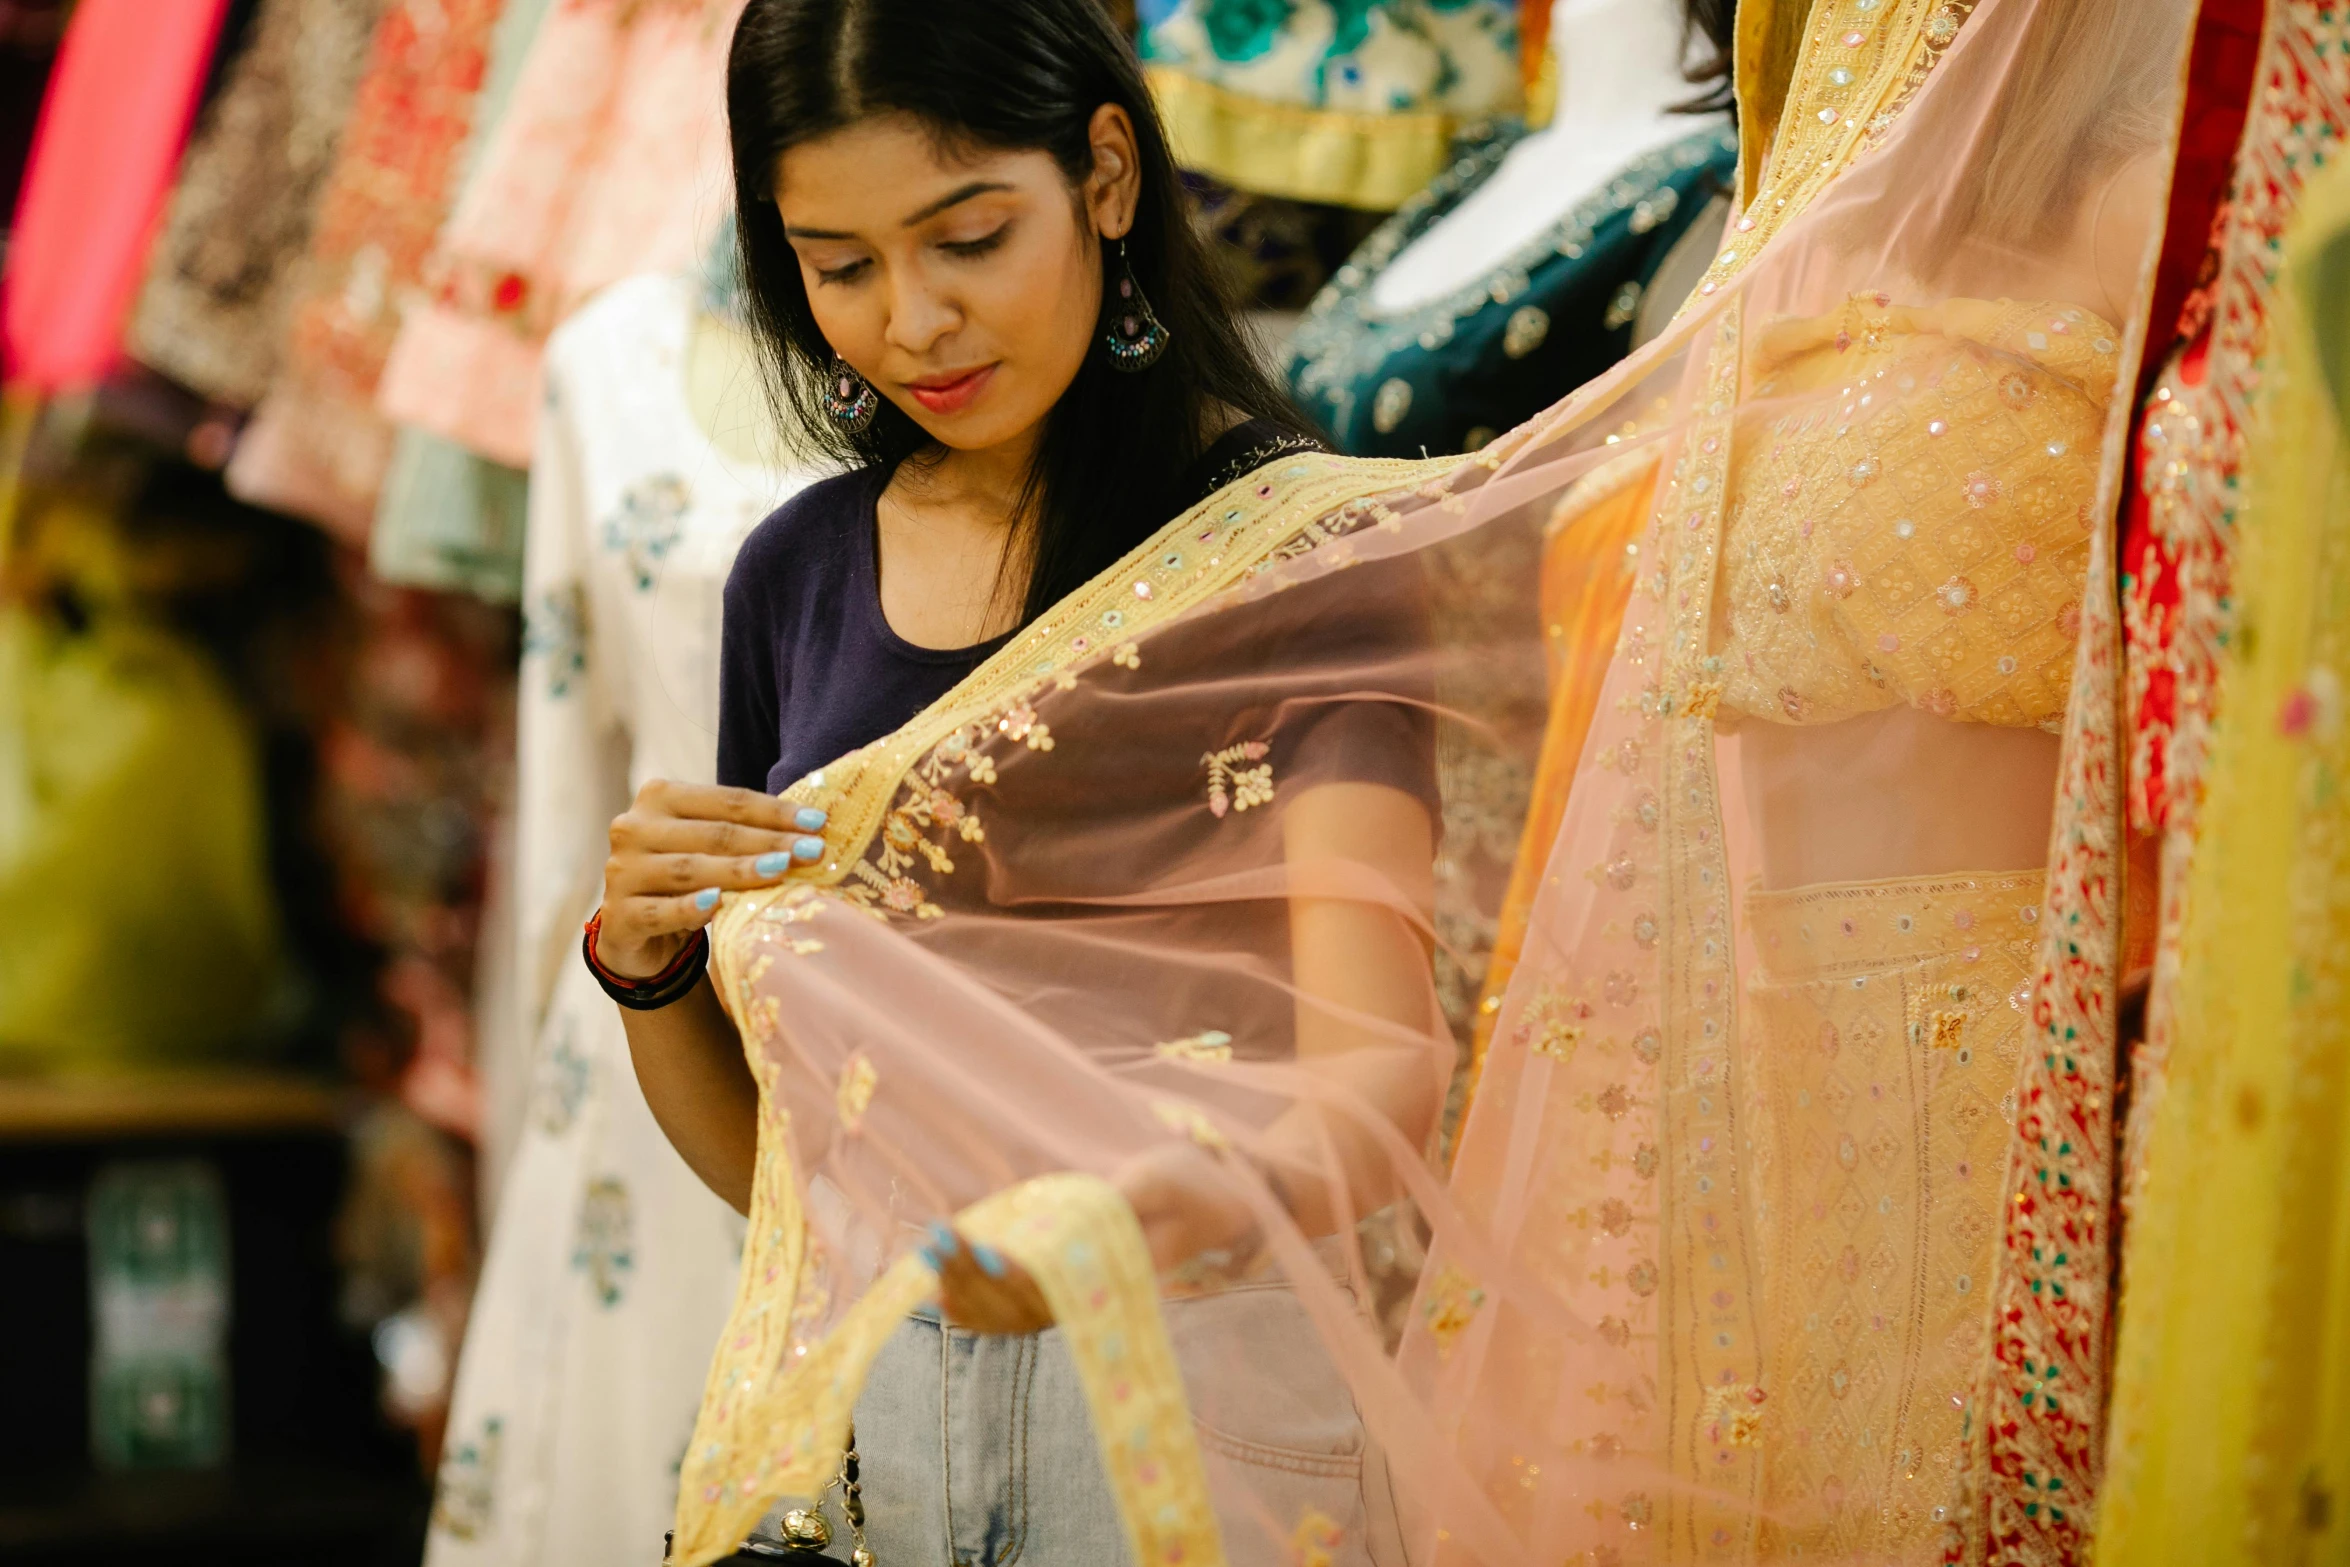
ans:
(809, 669)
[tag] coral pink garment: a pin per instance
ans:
(611, 161)
(316, 446)
(111, 129)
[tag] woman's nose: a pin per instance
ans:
(919, 316)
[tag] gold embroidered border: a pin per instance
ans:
(1083, 1245)
(1709, 1344)
(1857, 68)
(1373, 161)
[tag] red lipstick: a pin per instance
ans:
(946, 394)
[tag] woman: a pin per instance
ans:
(965, 251)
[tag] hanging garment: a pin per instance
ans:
(117, 110)
(316, 446)
(1346, 101)
(1448, 374)
(131, 832)
(2230, 1438)
(449, 519)
(1121, 951)
(212, 311)
(610, 162)
(610, 1263)
(1522, 271)
(2179, 609)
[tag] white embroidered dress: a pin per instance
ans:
(610, 1265)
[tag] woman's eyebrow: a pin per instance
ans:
(954, 198)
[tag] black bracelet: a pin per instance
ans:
(671, 984)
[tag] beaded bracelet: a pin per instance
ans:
(647, 995)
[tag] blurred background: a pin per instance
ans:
(275, 287)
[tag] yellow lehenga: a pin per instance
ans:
(2231, 1428)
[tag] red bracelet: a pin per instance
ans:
(682, 973)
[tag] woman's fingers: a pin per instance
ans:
(981, 1289)
(661, 874)
(718, 803)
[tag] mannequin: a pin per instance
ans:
(1619, 75)
(1527, 266)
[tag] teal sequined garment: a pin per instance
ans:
(1370, 56)
(1447, 375)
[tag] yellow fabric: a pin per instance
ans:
(1920, 546)
(137, 924)
(1881, 1030)
(2230, 1440)
(1587, 573)
(1081, 1242)
(1770, 32)
(1372, 161)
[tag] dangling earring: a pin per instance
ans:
(849, 400)
(1136, 337)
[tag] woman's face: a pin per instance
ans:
(966, 287)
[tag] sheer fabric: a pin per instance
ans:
(1758, 1181)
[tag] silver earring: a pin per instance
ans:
(1136, 337)
(849, 400)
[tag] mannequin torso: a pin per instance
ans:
(1619, 76)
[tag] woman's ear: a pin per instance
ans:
(1114, 187)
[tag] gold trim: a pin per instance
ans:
(1372, 161)
(1076, 1235)
(1822, 126)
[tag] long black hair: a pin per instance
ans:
(1716, 22)
(1017, 76)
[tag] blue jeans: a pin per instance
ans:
(977, 1450)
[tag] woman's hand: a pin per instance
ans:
(1182, 1200)
(981, 1289)
(675, 849)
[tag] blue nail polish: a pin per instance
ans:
(931, 1260)
(810, 849)
(706, 899)
(991, 1262)
(772, 864)
(810, 819)
(942, 1240)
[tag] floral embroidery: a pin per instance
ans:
(1210, 1045)
(857, 1081)
(925, 807)
(1247, 786)
(1733, 1415)
(1454, 1299)
(1190, 1121)
(649, 523)
(606, 1250)
(1552, 1024)
(560, 1084)
(1315, 1540)
(465, 1492)
(555, 629)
